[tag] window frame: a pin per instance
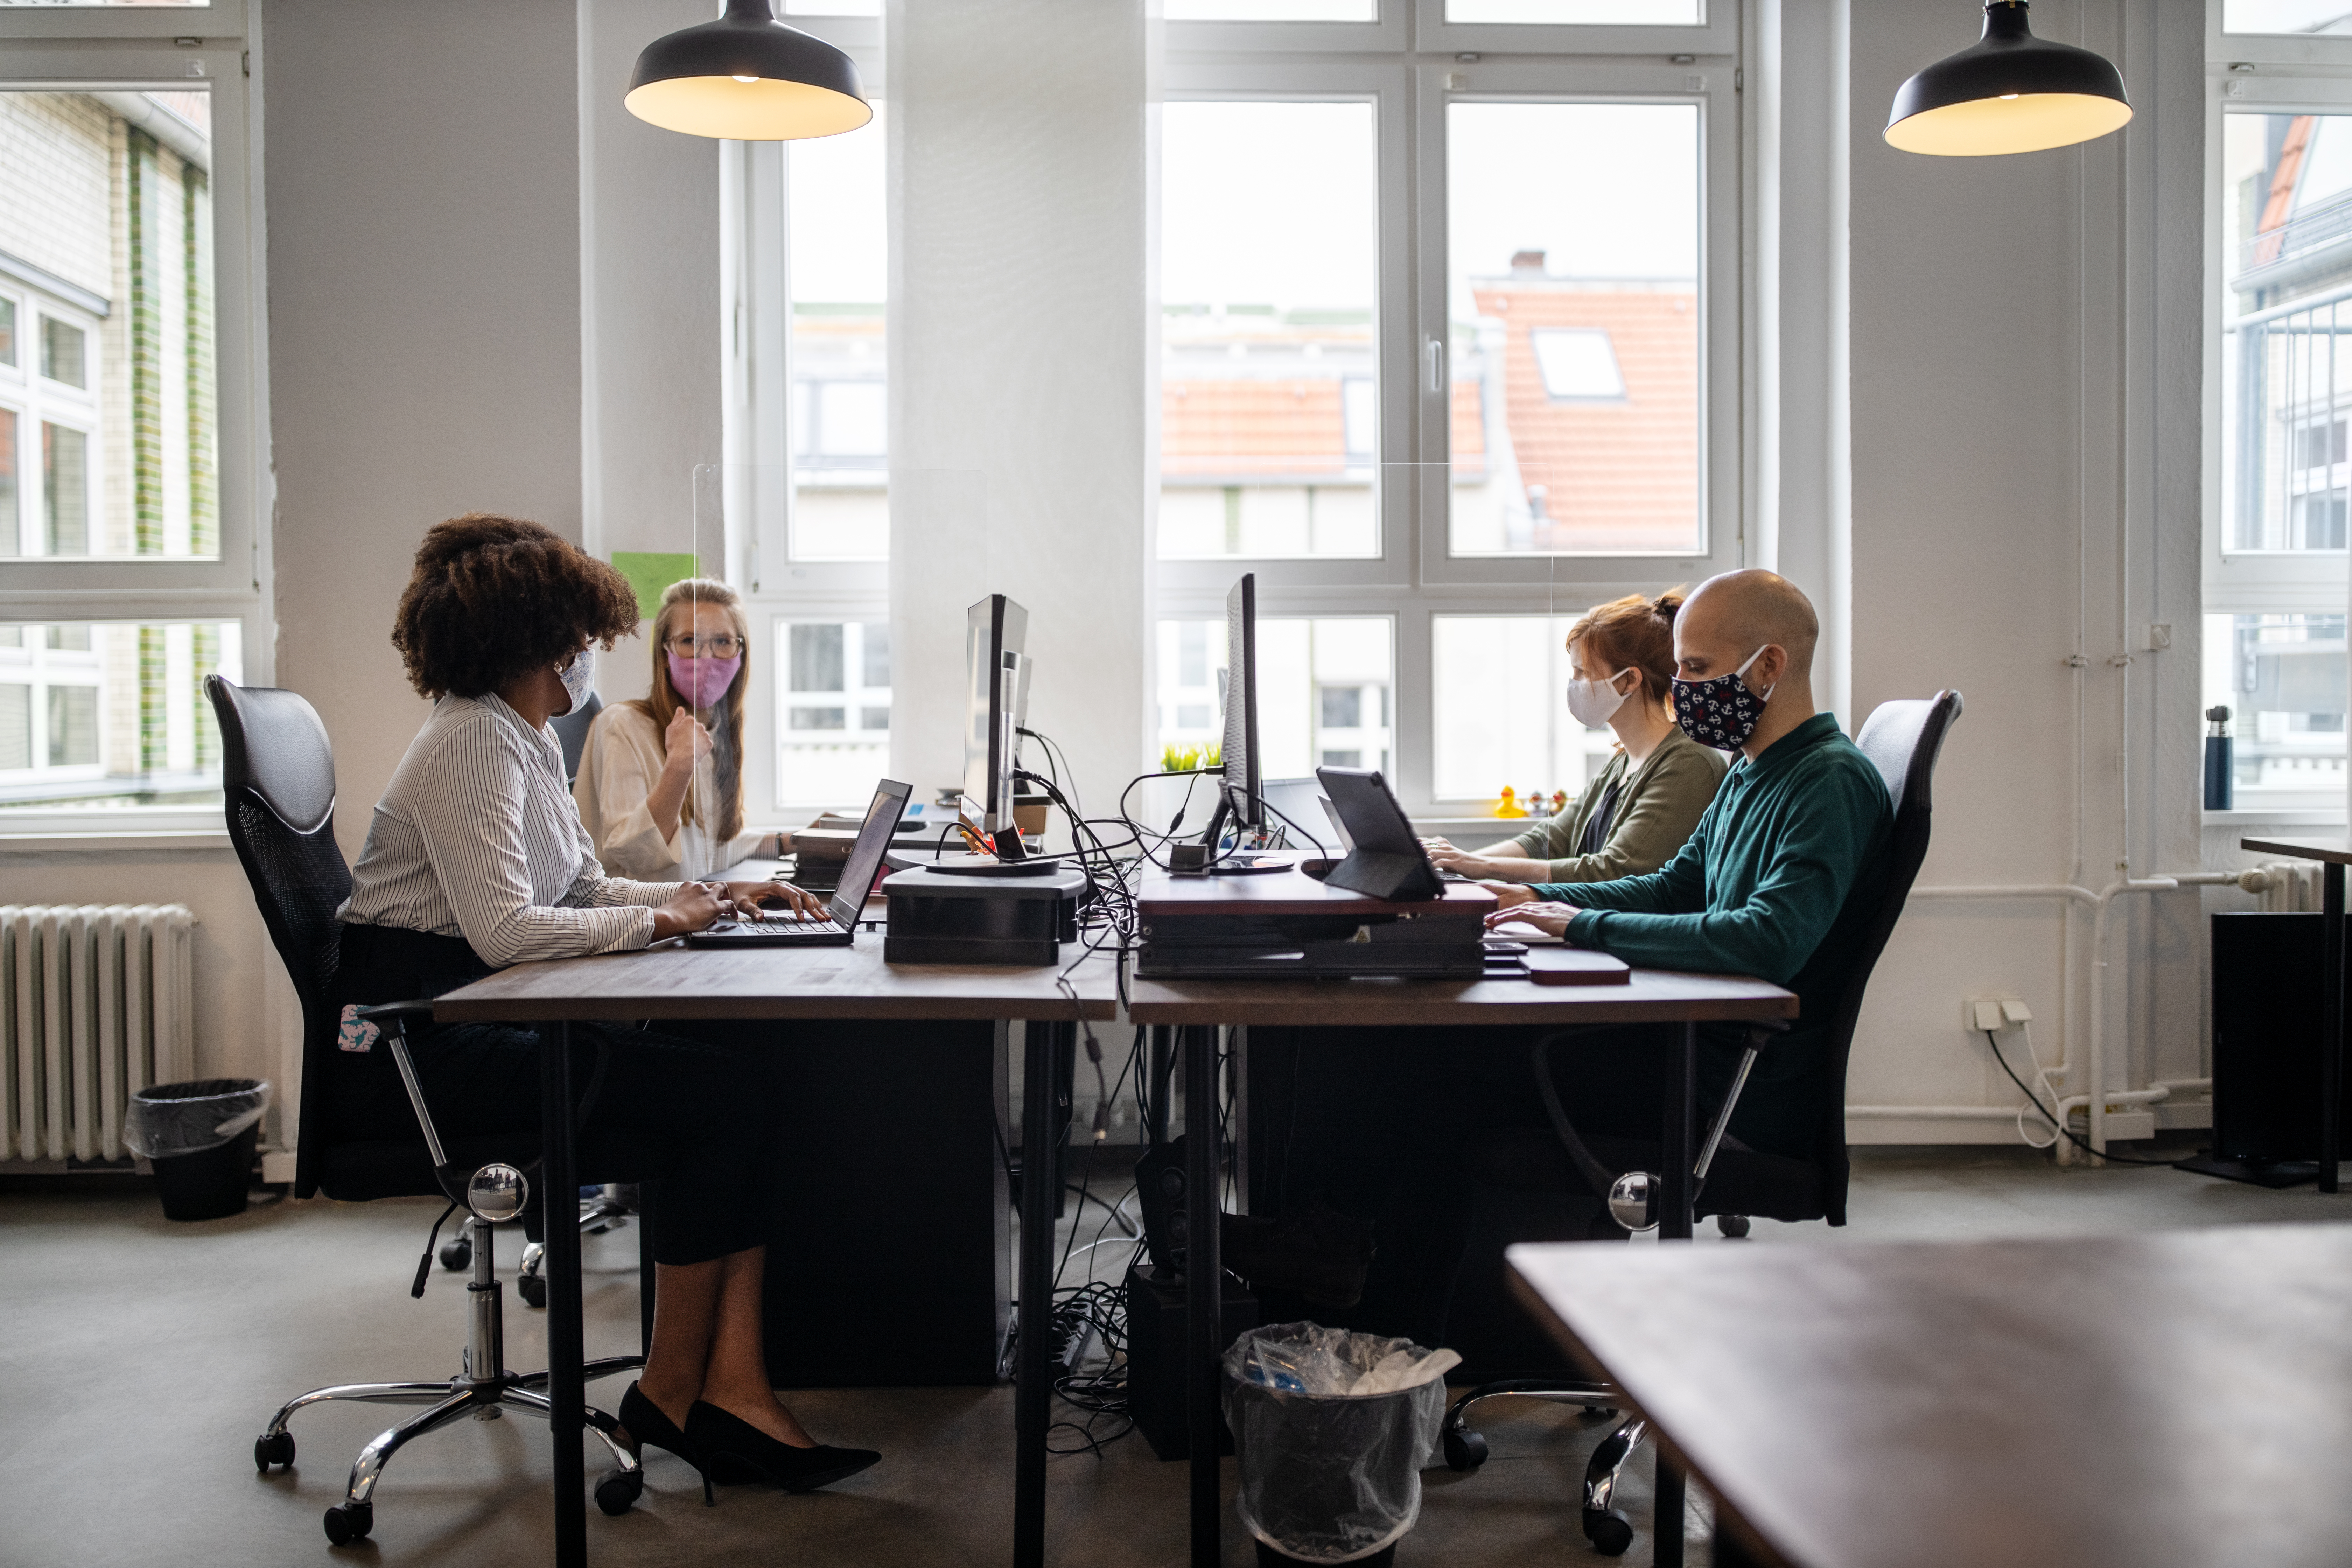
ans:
(160, 48)
(2255, 582)
(1415, 579)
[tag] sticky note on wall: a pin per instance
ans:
(649, 573)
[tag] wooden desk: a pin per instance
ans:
(2111, 1402)
(2334, 852)
(785, 982)
(1653, 996)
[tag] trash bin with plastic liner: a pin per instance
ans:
(200, 1136)
(1331, 1431)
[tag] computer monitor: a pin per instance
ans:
(997, 685)
(1241, 793)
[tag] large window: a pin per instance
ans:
(1449, 347)
(840, 397)
(1326, 691)
(125, 417)
(1269, 437)
(2279, 399)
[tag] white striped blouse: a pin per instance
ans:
(476, 837)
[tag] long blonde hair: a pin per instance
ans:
(677, 605)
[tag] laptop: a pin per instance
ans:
(784, 929)
(1385, 857)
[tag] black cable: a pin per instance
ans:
(2056, 1125)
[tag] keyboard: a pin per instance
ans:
(781, 932)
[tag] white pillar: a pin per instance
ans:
(1019, 369)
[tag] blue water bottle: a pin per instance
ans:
(2219, 782)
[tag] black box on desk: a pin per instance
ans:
(1287, 923)
(1155, 1355)
(939, 917)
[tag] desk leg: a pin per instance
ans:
(1032, 1390)
(645, 1277)
(566, 1390)
(1677, 1154)
(1667, 1550)
(2331, 1025)
(1203, 1288)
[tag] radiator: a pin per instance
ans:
(96, 1002)
(2288, 886)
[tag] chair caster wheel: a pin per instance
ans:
(456, 1252)
(618, 1490)
(1465, 1451)
(532, 1289)
(1732, 1225)
(273, 1450)
(349, 1522)
(1610, 1530)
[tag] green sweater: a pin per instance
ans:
(1766, 887)
(1658, 804)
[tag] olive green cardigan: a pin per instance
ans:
(1657, 809)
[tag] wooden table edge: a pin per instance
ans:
(601, 1010)
(2300, 848)
(1759, 1549)
(1334, 1003)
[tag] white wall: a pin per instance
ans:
(424, 208)
(1017, 350)
(2025, 344)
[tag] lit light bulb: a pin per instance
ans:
(747, 80)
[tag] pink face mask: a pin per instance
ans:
(703, 682)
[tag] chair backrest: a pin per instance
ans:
(571, 729)
(1903, 739)
(279, 777)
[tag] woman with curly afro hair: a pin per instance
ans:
(476, 859)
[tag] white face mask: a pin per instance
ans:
(579, 679)
(1592, 703)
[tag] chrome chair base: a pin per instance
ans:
(483, 1389)
(1608, 1526)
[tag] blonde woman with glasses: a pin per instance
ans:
(661, 781)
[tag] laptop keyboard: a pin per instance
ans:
(784, 924)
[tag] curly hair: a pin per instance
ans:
(493, 599)
(1633, 633)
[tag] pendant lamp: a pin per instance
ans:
(2008, 92)
(747, 78)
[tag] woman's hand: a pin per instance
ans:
(1446, 857)
(694, 906)
(1509, 893)
(747, 897)
(686, 742)
(1549, 918)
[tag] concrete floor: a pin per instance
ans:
(138, 1358)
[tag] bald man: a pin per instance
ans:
(1778, 881)
(1766, 885)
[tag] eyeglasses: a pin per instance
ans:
(724, 645)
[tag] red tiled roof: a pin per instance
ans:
(1292, 427)
(1618, 475)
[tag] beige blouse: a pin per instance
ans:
(618, 770)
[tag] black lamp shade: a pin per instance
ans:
(747, 78)
(2008, 92)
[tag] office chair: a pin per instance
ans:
(1903, 739)
(279, 777)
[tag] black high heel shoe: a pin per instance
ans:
(651, 1428)
(733, 1450)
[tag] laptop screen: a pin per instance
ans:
(857, 873)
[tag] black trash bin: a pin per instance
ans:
(200, 1137)
(1327, 1475)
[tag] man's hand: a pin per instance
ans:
(1551, 919)
(1507, 894)
(748, 898)
(694, 906)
